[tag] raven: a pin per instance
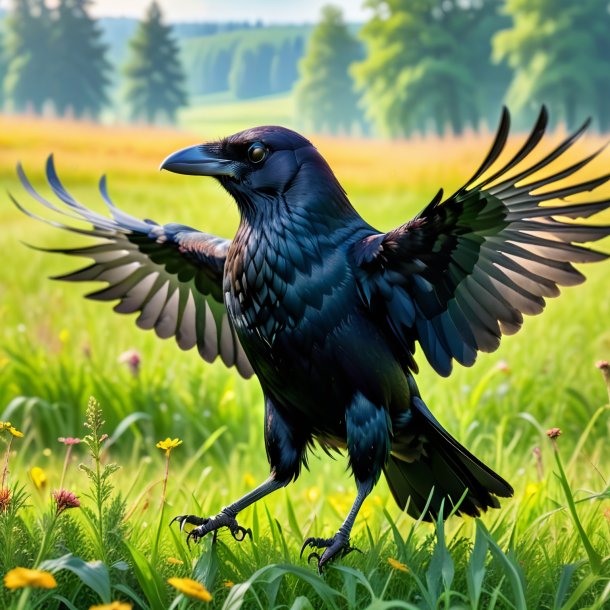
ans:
(326, 310)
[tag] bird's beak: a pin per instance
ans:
(197, 161)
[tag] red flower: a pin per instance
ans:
(65, 499)
(69, 440)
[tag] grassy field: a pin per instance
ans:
(546, 548)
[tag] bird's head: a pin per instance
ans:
(261, 166)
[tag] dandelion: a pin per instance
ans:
(5, 499)
(6, 425)
(112, 606)
(191, 588)
(18, 578)
(228, 584)
(132, 359)
(174, 561)
(39, 478)
(65, 499)
(531, 489)
(168, 444)
(398, 565)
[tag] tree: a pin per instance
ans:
(425, 62)
(251, 70)
(155, 78)
(78, 61)
(27, 81)
(325, 95)
(560, 53)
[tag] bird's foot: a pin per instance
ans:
(211, 524)
(337, 546)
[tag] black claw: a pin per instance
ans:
(305, 545)
(314, 554)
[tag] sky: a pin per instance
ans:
(269, 11)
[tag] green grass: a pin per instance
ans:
(546, 548)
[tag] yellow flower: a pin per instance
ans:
(39, 478)
(397, 565)
(191, 587)
(4, 425)
(531, 489)
(168, 444)
(249, 480)
(17, 578)
(112, 606)
(15, 432)
(64, 335)
(313, 493)
(228, 584)
(174, 561)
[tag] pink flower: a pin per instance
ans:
(132, 359)
(553, 432)
(69, 440)
(65, 499)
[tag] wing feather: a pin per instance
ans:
(473, 264)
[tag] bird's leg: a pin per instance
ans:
(368, 445)
(339, 544)
(227, 516)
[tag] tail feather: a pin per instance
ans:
(444, 466)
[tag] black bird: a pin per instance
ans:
(326, 310)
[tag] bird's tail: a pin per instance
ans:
(445, 466)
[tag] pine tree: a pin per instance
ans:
(155, 79)
(27, 81)
(325, 96)
(77, 63)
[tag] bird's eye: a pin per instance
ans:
(257, 152)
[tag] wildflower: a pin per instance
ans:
(228, 584)
(5, 499)
(174, 561)
(132, 359)
(313, 493)
(64, 335)
(47, 452)
(191, 587)
(531, 489)
(65, 499)
(398, 565)
(553, 433)
(18, 578)
(503, 367)
(249, 480)
(607, 514)
(168, 444)
(39, 478)
(4, 425)
(69, 440)
(15, 432)
(112, 606)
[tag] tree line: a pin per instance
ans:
(54, 58)
(448, 65)
(260, 63)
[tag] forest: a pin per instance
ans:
(429, 66)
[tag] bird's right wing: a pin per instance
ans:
(465, 270)
(171, 274)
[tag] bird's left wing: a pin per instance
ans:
(171, 274)
(465, 270)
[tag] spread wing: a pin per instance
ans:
(171, 274)
(465, 270)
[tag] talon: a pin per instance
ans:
(307, 543)
(314, 554)
(239, 533)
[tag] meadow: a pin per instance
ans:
(548, 547)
